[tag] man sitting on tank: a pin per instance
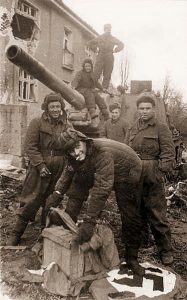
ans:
(86, 84)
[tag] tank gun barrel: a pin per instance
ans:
(35, 68)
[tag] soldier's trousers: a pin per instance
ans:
(104, 65)
(128, 200)
(93, 98)
(36, 189)
(154, 204)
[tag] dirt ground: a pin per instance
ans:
(15, 262)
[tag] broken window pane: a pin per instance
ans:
(22, 27)
(24, 22)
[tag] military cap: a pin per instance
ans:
(70, 137)
(147, 97)
(52, 97)
(114, 106)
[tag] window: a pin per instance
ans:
(67, 39)
(88, 52)
(67, 55)
(27, 86)
(67, 59)
(27, 9)
(24, 21)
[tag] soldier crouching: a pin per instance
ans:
(94, 167)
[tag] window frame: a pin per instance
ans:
(27, 84)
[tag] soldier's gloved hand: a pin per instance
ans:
(85, 232)
(44, 172)
(53, 201)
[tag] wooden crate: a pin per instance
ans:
(58, 248)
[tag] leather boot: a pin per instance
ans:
(166, 258)
(17, 232)
(131, 257)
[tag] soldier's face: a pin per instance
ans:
(88, 67)
(115, 114)
(79, 151)
(107, 29)
(54, 109)
(146, 111)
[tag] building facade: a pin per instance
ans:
(54, 35)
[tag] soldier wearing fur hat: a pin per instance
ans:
(46, 161)
(86, 84)
(115, 128)
(152, 140)
(106, 45)
(95, 167)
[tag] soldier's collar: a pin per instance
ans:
(150, 122)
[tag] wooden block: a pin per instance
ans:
(59, 249)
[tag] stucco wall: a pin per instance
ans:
(50, 46)
(13, 121)
(47, 47)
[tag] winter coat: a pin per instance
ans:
(107, 162)
(84, 81)
(115, 130)
(42, 150)
(106, 44)
(153, 141)
(41, 139)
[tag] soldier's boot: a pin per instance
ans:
(17, 232)
(93, 113)
(131, 257)
(166, 257)
(105, 114)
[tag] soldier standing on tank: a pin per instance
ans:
(152, 141)
(106, 45)
(115, 128)
(46, 162)
(86, 84)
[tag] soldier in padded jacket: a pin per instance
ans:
(95, 167)
(152, 141)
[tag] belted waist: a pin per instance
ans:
(51, 152)
(147, 157)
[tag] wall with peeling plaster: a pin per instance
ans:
(12, 130)
(46, 46)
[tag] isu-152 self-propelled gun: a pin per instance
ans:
(76, 110)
